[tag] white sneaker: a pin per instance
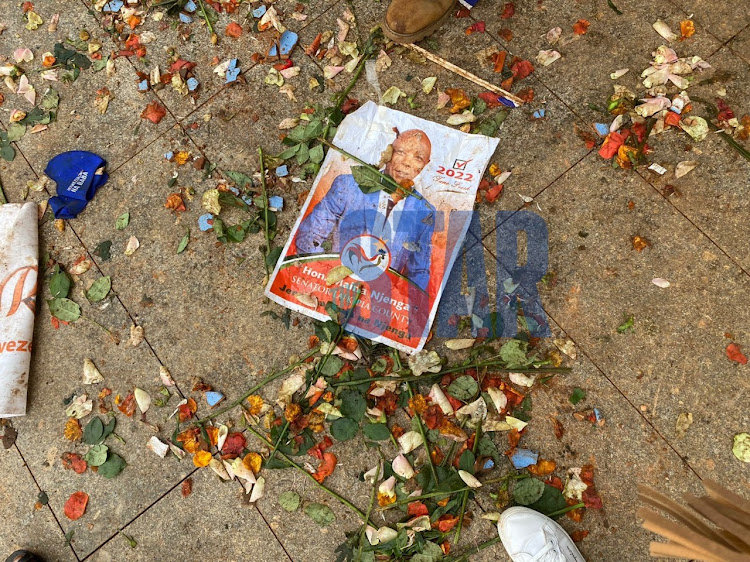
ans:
(529, 536)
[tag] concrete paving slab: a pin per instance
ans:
(21, 525)
(673, 361)
(79, 125)
(213, 523)
(722, 20)
(57, 369)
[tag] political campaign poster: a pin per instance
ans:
(383, 236)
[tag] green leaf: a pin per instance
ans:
(316, 154)
(466, 461)
(377, 431)
(7, 153)
(50, 100)
(99, 289)
(100, 64)
(627, 325)
(289, 152)
(487, 448)
(122, 221)
(513, 353)
(16, 131)
(368, 180)
(552, 500)
(320, 513)
(96, 455)
(131, 541)
(102, 250)
(64, 309)
(464, 388)
(527, 491)
(273, 256)
(577, 395)
(184, 242)
(93, 433)
(109, 428)
(59, 285)
(240, 180)
(113, 466)
(353, 405)
(331, 366)
(344, 429)
(289, 500)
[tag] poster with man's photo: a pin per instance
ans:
(391, 239)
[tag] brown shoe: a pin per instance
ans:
(408, 21)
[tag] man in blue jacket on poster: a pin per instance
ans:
(404, 223)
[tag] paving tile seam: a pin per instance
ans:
(278, 540)
(604, 374)
(126, 525)
(699, 22)
(698, 228)
(555, 180)
(99, 269)
(48, 506)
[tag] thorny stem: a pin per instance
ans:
(392, 185)
(265, 210)
(438, 494)
(465, 494)
(254, 389)
(369, 510)
(424, 439)
(566, 510)
(428, 376)
(3, 199)
(361, 514)
(320, 366)
(205, 18)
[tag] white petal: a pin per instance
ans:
(165, 376)
(218, 467)
(498, 399)
(258, 489)
(410, 441)
(522, 380)
(222, 436)
(387, 486)
(402, 467)
(684, 167)
(663, 30)
(143, 399)
(469, 479)
(179, 453)
(461, 343)
(438, 397)
(132, 246)
(515, 423)
(157, 446)
(91, 374)
(661, 283)
(386, 534)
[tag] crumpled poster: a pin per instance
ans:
(388, 250)
(19, 250)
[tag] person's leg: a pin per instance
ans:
(408, 21)
(529, 536)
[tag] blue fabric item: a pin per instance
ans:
(602, 129)
(347, 212)
(233, 71)
(276, 202)
(468, 3)
(192, 84)
(287, 41)
(77, 181)
(206, 222)
(523, 458)
(282, 171)
(259, 11)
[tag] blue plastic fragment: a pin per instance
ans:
(282, 171)
(214, 398)
(602, 129)
(287, 41)
(112, 6)
(233, 71)
(235, 191)
(184, 18)
(598, 415)
(190, 6)
(169, 155)
(523, 458)
(539, 113)
(143, 85)
(247, 199)
(259, 12)
(192, 84)
(275, 203)
(489, 464)
(206, 222)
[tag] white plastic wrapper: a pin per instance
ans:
(19, 250)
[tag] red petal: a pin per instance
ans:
(75, 507)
